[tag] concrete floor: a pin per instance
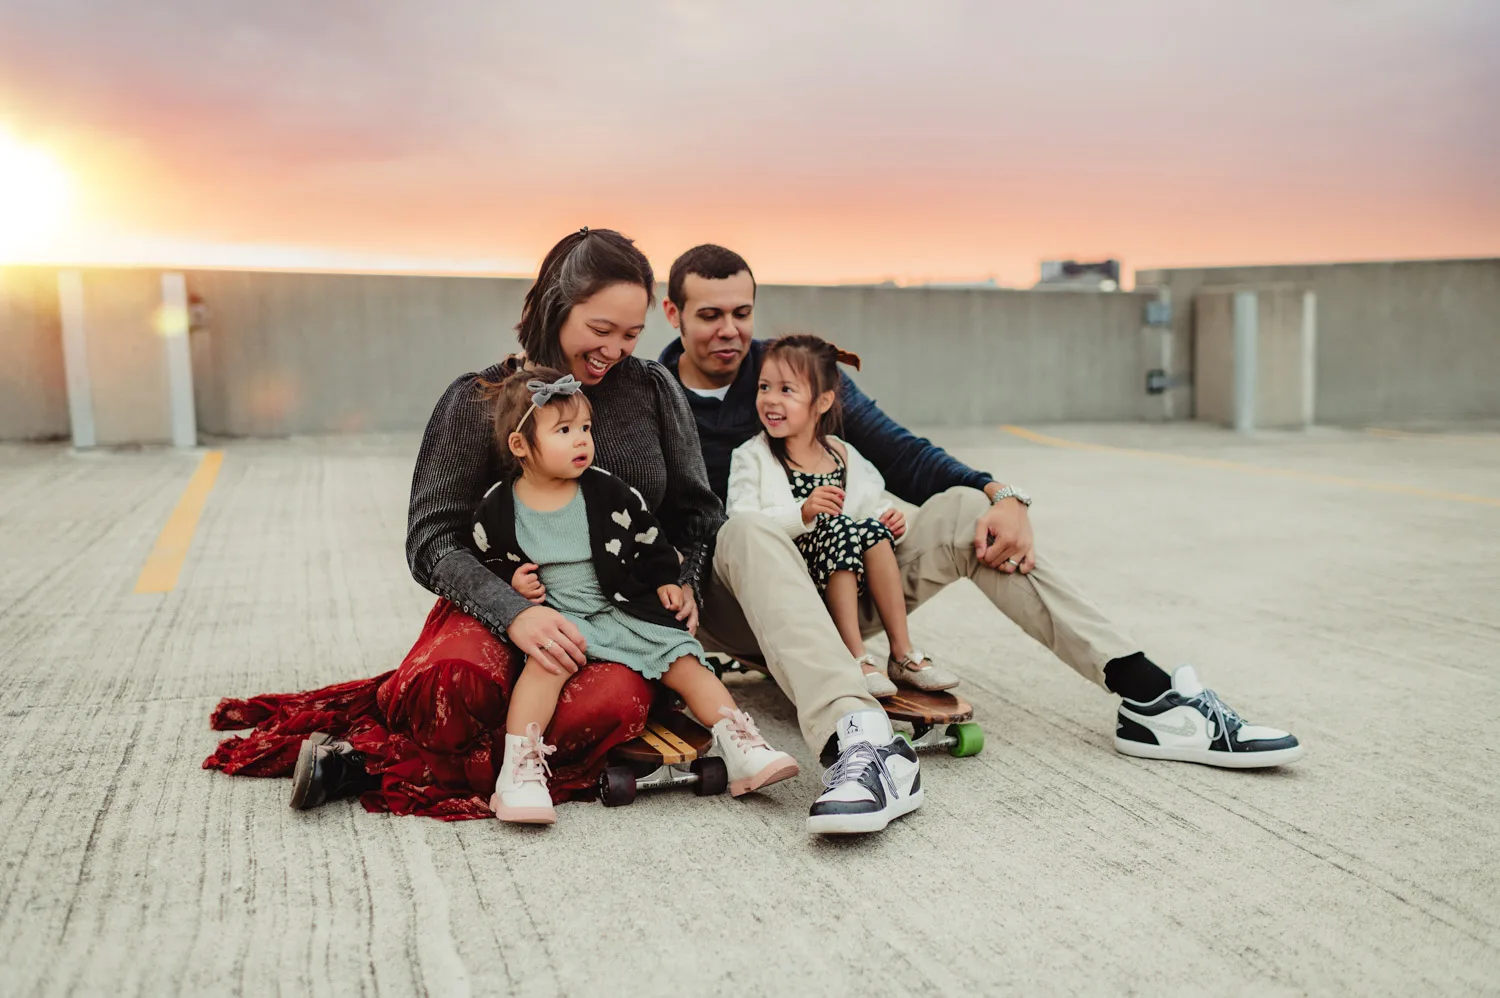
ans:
(1366, 619)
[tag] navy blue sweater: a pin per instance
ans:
(913, 468)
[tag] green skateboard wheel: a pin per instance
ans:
(968, 739)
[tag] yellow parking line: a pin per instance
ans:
(1252, 469)
(165, 560)
(1381, 431)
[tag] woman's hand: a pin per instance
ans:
(827, 499)
(895, 522)
(528, 584)
(681, 599)
(552, 639)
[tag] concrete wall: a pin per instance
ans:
(305, 353)
(1403, 341)
(322, 353)
(977, 357)
(33, 388)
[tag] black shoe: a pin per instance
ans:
(328, 770)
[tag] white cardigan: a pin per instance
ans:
(759, 484)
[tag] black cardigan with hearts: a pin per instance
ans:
(632, 557)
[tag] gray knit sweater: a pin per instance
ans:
(644, 433)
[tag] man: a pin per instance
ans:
(968, 526)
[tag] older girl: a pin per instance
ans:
(831, 502)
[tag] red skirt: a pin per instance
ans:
(434, 729)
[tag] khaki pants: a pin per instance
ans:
(761, 606)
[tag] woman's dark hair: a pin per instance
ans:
(511, 402)
(582, 264)
(817, 360)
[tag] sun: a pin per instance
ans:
(34, 195)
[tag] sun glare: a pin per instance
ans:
(33, 197)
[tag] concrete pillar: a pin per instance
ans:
(1255, 353)
(1309, 357)
(125, 350)
(1246, 362)
(76, 357)
(172, 325)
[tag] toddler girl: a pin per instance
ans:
(831, 502)
(584, 542)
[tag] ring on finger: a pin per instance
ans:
(1012, 561)
(549, 644)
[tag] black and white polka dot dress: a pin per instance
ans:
(835, 543)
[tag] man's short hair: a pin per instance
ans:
(708, 261)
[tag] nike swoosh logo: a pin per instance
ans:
(1183, 729)
(1186, 729)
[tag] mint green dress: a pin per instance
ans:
(559, 544)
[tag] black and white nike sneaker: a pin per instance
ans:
(1191, 724)
(875, 779)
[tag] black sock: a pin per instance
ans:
(1136, 677)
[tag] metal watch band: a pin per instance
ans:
(1010, 492)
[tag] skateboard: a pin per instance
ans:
(669, 753)
(938, 720)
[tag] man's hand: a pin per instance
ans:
(552, 639)
(681, 599)
(528, 584)
(895, 522)
(824, 499)
(1002, 538)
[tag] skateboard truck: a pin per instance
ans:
(938, 720)
(669, 753)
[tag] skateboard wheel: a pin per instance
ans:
(713, 776)
(968, 739)
(616, 786)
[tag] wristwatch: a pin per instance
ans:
(1010, 492)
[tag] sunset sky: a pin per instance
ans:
(826, 141)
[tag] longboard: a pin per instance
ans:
(938, 720)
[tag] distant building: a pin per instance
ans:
(988, 282)
(1070, 275)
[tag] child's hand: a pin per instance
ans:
(824, 499)
(526, 582)
(895, 521)
(671, 597)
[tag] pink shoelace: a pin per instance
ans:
(742, 729)
(532, 766)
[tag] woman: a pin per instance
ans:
(428, 737)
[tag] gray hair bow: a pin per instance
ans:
(542, 392)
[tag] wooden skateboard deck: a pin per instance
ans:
(671, 738)
(920, 707)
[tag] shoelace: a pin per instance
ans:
(1223, 715)
(852, 765)
(532, 766)
(742, 729)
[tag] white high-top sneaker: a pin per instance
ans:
(876, 778)
(521, 788)
(751, 762)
